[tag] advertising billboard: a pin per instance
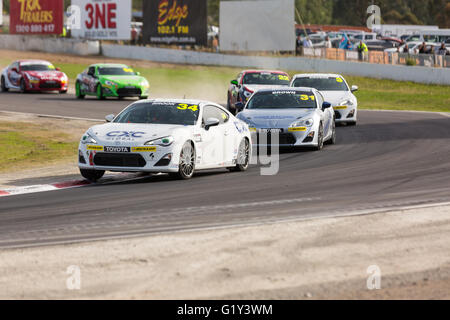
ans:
(103, 19)
(36, 16)
(257, 25)
(175, 22)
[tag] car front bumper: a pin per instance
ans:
(287, 137)
(345, 113)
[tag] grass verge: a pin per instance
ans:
(24, 145)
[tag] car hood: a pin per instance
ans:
(46, 75)
(129, 133)
(274, 118)
(336, 97)
(124, 80)
(256, 87)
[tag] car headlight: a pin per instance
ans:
(165, 142)
(302, 123)
(87, 138)
(31, 77)
(346, 102)
(144, 84)
(110, 83)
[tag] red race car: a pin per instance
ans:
(33, 75)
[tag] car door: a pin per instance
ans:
(89, 80)
(328, 116)
(213, 139)
(14, 75)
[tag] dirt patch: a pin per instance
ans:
(326, 258)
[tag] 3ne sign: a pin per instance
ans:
(36, 17)
(103, 19)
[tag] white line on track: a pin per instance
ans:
(50, 116)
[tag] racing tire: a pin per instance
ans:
(186, 167)
(229, 108)
(243, 156)
(351, 123)
(143, 97)
(99, 91)
(23, 86)
(332, 140)
(92, 175)
(78, 92)
(3, 85)
(63, 91)
(319, 138)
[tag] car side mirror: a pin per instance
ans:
(234, 82)
(138, 73)
(239, 106)
(109, 118)
(354, 88)
(14, 70)
(211, 122)
(326, 105)
(58, 69)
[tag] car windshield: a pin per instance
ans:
(37, 67)
(266, 78)
(282, 99)
(322, 84)
(116, 71)
(160, 113)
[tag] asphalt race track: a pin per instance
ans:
(390, 159)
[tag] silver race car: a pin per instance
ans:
(300, 116)
(178, 137)
(335, 90)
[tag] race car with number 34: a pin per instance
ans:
(177, 137)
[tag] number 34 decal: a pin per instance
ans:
(183, 106)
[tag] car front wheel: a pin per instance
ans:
(243, 157)
(3, 85)
(186, 165)
(92, 175)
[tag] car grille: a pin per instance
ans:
(129, 91)
(46, 85)
(119, 160)
(285, 138)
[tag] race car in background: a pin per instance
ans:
(300, 116)
(178, 137)
(33, 75)
(248, 81)
(111, 80)
(335, 90)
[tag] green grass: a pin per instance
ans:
(24, 145)
(211, 83)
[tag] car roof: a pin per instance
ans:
(266, 71)
(308, 89)
(317, 75)
(33, 61)
(108, 65)
(171, 100)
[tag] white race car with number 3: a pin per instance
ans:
(177, 137)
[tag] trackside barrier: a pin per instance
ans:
(49, 44)
(380, 57)
(382, 71)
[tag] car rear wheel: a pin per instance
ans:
(186, 165)
(92, 175)
(351, 123)
(243, 157)
(3, 85)
(99, 90)
(63, 91)
(333, 135)
(143, 97)
(78, 92)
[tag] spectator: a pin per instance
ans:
(215, 44)
(362, 50)
(405, 49)
(134, 35)
(328, 44)
(423, 49)
(442, 51)
(307, 43)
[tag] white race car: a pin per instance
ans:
(300, 116)
(335, 90)
(173, 136)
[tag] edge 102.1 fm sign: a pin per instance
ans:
(101, 19)
(175, 22)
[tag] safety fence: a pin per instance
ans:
(380, 57)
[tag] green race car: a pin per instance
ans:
(111, 80)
